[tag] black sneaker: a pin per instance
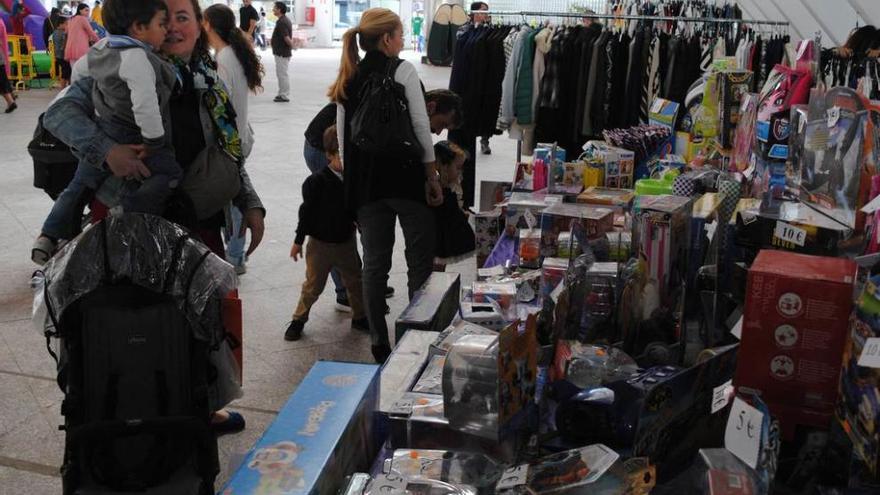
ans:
(342, 303)
(381, 353)
(294, 330)
(281, 99)
(361, 325)
(11, 108)
(389, 292)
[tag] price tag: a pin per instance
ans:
(737, 329)
(657, 106)
(531, 221)
(513, 477)
(390, 483)
(871, 353)
(743, 434)
(872, 206)
(402, 407)
(789, 233)
(833, 115)
(721, 396)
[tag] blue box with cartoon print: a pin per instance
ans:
(323, 433)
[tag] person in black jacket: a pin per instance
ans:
(330, 228)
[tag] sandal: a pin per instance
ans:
(42, 250)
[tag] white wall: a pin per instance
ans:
(834, 19)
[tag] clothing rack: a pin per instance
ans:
(577, 15)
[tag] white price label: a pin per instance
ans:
(531, 221)
(789, 233)
(872, 206)
(721, 396)
(737, 329)
(743, 434)
(657, 106)
(513, 477)
(833, 114)
(402, 407)
(871, 353)
(390, 483)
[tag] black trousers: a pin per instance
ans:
(468, 142)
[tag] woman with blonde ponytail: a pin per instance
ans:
(382, 187)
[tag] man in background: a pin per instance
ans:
(248, 18)
(282, 49)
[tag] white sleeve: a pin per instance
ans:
(232, 75)
(80, 69)
(340, 131)
(137, 72)
(407, 76)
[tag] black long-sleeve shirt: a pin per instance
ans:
(322, 213)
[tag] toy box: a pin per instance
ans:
(523, 210)
(663, 113)
(795, 227)
(794, 328)
(558, 218)
(704, 212)
(858, 404)
(432, 307)
(619, 163)
(660, 225)
(504, 294)
(487, 230)
(487, 314)
(552, 273)
(732, 86)
(403, 367)
(619, 199)
(322, 434)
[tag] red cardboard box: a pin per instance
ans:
(794, 328)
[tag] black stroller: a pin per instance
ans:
(132, 306)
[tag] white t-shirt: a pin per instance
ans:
(231, 73)
(407, 76)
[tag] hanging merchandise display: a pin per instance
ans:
(447, 20)
(663, 300)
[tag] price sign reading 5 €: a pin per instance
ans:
(743, 434)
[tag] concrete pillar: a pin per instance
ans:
(323, 22)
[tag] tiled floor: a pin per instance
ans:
(30, 443)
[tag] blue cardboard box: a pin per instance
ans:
(323, 433)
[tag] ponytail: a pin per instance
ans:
(222, 21)
(374, 24)
(347, 66)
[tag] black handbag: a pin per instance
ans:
(54, 163)
(381, 122)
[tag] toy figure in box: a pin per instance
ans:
(278, 473)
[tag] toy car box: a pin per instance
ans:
(794, 329)
(432, 307)
(323, 433)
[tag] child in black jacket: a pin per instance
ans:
(330, 228)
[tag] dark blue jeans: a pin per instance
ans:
(316, 160)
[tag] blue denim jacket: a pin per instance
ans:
(70, 119)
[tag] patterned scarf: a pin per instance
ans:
(216, 101)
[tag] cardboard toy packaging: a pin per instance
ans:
(704, 212)
(794, 327)
(323, 433)
(660, 226)
(523, 210)
(487, 230)
(733, 85)
(557, 218)
(432, 307)
(858, 404)
(618, 163)
(619, 199)
(795, 227)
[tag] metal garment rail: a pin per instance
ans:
(577, 15)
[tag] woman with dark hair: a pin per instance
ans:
(80, 35)
(241, 71)
(199, 118)
(50, 24)
(863, 41)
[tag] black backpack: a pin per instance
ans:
(381, 122)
